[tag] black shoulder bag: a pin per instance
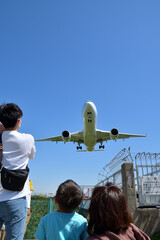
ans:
(14, 180)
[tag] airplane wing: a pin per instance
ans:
(77, 137)
(128, 135)
(74, 137)
(102, 135)
(54, 139)
(105, 135)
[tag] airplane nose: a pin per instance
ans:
(91, 105)
(89, 102)
(87, 105)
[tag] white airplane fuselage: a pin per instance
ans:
(89, 122)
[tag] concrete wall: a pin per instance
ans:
(147, 219)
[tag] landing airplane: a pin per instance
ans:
(90, 136)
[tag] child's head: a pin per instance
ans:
(68, 196)
(108, 210)
(9, 115)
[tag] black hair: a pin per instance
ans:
(9, 114)
(69, 195)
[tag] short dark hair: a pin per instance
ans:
(108, 210)
(9, 114)
(69, 195)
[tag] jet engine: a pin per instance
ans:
(114, 134)
(66, 136)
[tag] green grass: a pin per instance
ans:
(39, 207)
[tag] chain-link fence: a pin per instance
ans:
(111, 172)
(147, 178)
(39, 206)
(146, 172)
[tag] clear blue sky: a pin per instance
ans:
(55, 55)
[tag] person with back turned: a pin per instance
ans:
(65, 223)
(110, 217)
(14, 185)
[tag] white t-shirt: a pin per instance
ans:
(17, 149)
(28, 198)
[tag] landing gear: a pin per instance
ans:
(101, 146)
(79, 147)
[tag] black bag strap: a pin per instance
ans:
(1, 151)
